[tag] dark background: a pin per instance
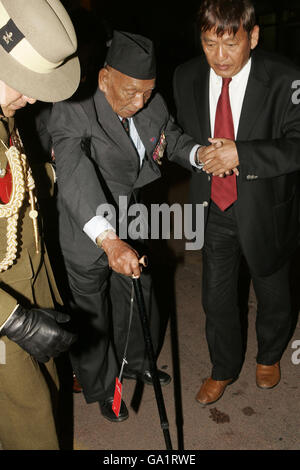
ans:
(171, 25)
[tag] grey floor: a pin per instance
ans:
(246, 418)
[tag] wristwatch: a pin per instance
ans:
(199, 164)
(102, 237)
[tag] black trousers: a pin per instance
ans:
(222, 256)
(100, 307)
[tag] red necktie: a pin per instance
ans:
(223, 190)
(6, 186)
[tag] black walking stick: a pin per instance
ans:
(152, 361)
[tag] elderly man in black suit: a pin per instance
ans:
(108, 147)
(242, 102)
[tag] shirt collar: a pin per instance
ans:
(120, 117)
(236, 79)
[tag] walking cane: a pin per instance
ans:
(152, 362)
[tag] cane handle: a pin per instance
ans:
(144, 261)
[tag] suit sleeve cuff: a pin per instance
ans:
(192, 157)
(94, 227)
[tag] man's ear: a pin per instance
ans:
(254, 37)
(103, 79)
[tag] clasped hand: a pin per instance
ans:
(220, 158)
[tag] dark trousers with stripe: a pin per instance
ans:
(222, 255)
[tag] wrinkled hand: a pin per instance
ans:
(203, 152)
(38, 332)
(220, 158)
(122, 258)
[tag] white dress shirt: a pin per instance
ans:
(98, 224)
(237, 89)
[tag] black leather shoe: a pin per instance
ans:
(107, 412)
(163, 377)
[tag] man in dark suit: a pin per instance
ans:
(107, 148)
(242, 101)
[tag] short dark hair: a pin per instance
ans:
(226, 16)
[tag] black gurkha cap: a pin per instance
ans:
(132, 55)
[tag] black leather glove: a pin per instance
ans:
(37, 331)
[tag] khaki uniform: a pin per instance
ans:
(27, 421)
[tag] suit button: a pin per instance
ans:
(205, 203)
(249, 177)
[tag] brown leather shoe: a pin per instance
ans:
(267, 376)
(212, 390)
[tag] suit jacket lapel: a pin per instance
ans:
(148, 133)
(144, 126)
(112, 126)
(201, 92)
(114, 130)
(253, 104)
(255, 96)
(146, 130)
